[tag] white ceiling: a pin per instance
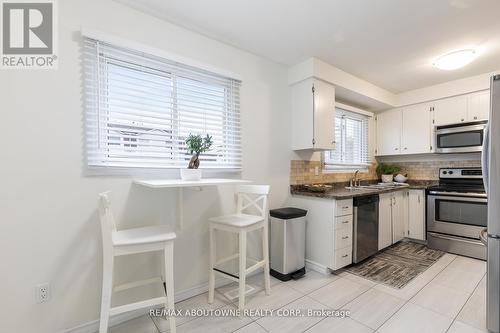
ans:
(390, 43)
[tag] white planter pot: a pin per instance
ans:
(387, 178)
(190, 174)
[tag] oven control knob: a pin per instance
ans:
(445, 172)
(450, 172)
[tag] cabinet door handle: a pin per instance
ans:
(345, 256)
(396, 148)
(462, 119)
(313, 114)
(345, 222)
(406, 148)
(475, 118)
(345, 237)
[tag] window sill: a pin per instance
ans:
(166, 173)
(345, 170)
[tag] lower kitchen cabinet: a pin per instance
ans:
(329, 228)
(328, 232)
(342, 234)
(399, 216)
(416, 214)
(385, 220)
(393, 218)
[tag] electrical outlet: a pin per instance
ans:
(316, 171)
(42, 293)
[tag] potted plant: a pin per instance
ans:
(386, 172)
(195, 146)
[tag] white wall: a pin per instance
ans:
(49, 230)
(348, 87)
(447, 89)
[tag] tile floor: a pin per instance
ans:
(448, 297)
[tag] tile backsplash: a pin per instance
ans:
(429, 170)
(303, 172)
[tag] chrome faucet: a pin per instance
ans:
(354, 181)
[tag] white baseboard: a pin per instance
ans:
(423, 242)
(314, 266)
(93, 326)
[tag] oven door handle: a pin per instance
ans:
(467, 197)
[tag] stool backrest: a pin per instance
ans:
(108, 225)
(253, 197)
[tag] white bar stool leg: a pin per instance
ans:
(169, 281)
(211, 273)
(107, 290)
(265, 252)
(243, 267)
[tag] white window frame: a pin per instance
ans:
(134, 47)
(345, 167)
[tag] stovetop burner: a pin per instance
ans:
(461, 180)
(461, 188)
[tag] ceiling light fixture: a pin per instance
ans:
(456, 59)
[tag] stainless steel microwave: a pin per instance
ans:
(460, 138)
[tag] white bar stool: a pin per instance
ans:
(132, 241)
(249, 197)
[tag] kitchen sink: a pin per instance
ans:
(374, 187)
(356, 188)
(379, 186)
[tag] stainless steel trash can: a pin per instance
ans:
(288, 237)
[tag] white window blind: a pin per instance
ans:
(140, 109)
(351, 137)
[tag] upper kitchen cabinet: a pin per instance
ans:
(410, 129)
(313, 115)
(389, 132)
(478, 106)
(416, 129)
(459, 109)
(450, 110)
(404, 131)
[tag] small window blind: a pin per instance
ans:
(140, 109)
(351, 137)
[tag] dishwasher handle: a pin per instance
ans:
(365, 200)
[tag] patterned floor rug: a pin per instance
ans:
(397, 265)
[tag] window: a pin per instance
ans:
(351, 137)
(140, 109)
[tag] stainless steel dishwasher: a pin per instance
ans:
(365, 227)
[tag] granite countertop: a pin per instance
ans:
(339, 191)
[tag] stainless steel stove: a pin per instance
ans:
(457, 212)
